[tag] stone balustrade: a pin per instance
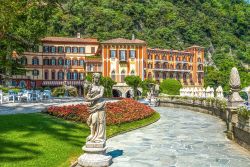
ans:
(208, 92)
(217, 107)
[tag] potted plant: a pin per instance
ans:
(244, 116)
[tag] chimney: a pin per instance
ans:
(133, 36)
(78, 35)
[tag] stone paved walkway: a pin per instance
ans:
(181, 138)
(17, 108)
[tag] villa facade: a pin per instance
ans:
(62, 60)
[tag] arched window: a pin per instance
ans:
(60, 61)
(53, 61)
(35, 61)
(164, 65)
(200, 67)
(199, 59)
(156, 57)
(190, 77)
(46, 75)
(199, 77)
(184, 77)
(53, 75)
(68, 75)
(35, 72)
(75, 75)
(75, 62)
(171, 75)
(185, 66)
(164, 75)
(122, 75)
(60, 75)
(22, 84)
(149, 75)
(113, 75)
(23, 60)
(81, 76)
(68, 62)
(178, 66)
(82, 63)
(46, 61)
(132, 72)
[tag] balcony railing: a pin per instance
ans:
(164, 69)
(99, 69)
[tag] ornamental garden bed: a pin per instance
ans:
(36, 139)
(125, 110)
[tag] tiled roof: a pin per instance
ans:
(68, 39)
(124, 41)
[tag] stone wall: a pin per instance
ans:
(240, 134)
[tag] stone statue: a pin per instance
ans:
(157, 90)
(96, 105)
(95, 148)
(151, 96)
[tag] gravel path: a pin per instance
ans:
(181, 138)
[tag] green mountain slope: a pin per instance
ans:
(222, 26)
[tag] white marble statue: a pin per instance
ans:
(95, 148)
(96, 108)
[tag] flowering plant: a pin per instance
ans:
(125, 110)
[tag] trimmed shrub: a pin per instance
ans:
(60, 91)
(170, 87)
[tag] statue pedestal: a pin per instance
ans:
(94, 156)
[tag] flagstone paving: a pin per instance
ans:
(181, 138)
(33, 107)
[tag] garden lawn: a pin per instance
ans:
(43, 140)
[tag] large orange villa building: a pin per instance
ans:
(62, 60)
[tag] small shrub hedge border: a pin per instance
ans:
(243, 112)
(208, 102)
(125, 110)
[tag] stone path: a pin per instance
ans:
(17, 108)
(181, 138)
(33, 107)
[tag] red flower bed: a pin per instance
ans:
(125, 110)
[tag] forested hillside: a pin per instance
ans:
(221, 26)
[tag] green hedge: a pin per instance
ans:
(170, 87)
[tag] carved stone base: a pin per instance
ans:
(94, 156)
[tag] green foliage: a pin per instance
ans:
(89, 77)
(60, 91)
(145, 86)
(170, 87)
(46, 137)
(242, 111)
(108, 84)
(134, 82)
(244, 95)
(6, 89)
(222, 27)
